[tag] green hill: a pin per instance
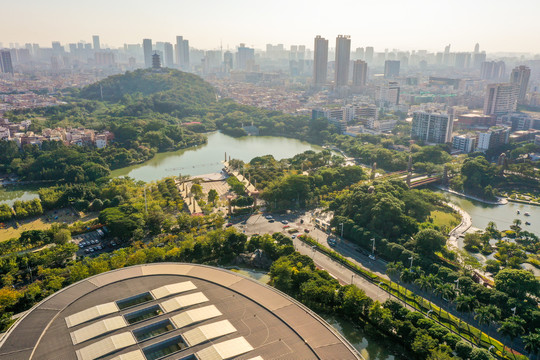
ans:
(164, 86)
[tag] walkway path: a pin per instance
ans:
(189, 200)
(249, 186)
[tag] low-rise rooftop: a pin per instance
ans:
(172, 311)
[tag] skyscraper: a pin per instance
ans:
(182, 52)
(343, 57)
(245, 58)
(432, 127)
(391, 69)
(369, 54)
(359, 73)
(95, 40)
(520, 77)
(228, 61)
(168, 55)
(320, 61)
(6, 65)
(490, 70)
(500, 99)
(147, 50)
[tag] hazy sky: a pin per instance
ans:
(405, 24)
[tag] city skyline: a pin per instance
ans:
(211, 24)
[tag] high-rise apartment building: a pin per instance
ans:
(369, 54)
(391, 69)
(388, 94)
(432, 127)
(494, 137)
(462, 60)
(500, 99)
(465, 143)
(478, 59)
(491, 70)
(343, 58)
(228, 61)
(168, 58)
(520, 77)
(359, 73)
(245, 58)
(95, 41)
(147, 50)
(320, 61)
(6, 66)
(182, 52)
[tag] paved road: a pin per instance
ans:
(258, 224)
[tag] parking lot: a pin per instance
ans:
(92, 243)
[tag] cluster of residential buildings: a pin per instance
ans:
(475, 131)
(468, 98)
(18, 132)
(271, 98)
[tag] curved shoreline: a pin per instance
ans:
(455, 233)
(500, 201)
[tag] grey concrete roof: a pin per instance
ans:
(276, 326)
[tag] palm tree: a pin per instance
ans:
(466, 304)
(532, 344)
(516, 226)
(393, 269)
(485, 315)
(512, 327)
(446, 291)
(423, 283)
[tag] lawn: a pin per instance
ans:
(42, 223)
(445, 219)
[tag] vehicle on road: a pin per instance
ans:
(306, 231)
(284, 222)
(228, 225)
(332, 242)
(293, 236)
(271, 220)
(268, 217)
(372, 257)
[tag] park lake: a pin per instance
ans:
(208, 158)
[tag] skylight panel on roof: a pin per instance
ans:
(91, 313)
(180, 302)
(97, 328)
(172, 289)
(192, 316)
(208, 332)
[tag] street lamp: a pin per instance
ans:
(411, 258)
(372, 257)
(341, 230)
(457, 284)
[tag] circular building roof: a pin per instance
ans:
(172, 311)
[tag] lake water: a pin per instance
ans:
(502, 215)
(208, 158)
(371, 347)
(10, 194)
(197, 160)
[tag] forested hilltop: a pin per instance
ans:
(148, 111)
